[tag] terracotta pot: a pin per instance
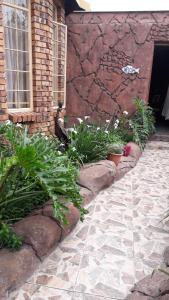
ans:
(114, 157)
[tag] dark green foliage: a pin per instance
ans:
(142, 123)
(33, 171)
(8, 238)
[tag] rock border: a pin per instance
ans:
(41, 232)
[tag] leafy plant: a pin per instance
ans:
(115, 149)
(34, 172)
(8, 238)
(142, 124)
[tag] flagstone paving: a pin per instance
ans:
(121, 240)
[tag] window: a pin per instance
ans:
(59, 58)
(17, 35)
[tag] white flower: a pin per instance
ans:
(46, 137)
(74, 131)
(107, 121)
(125, 112)
(89, 126)
(73, 149)
(19, 125)
(59, 152)
(98, 128)
(80, 120)
(8, 122)
(115, 126)
(106, 131)
(86, 117)
(116, 122)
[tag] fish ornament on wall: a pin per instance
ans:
(130, 70)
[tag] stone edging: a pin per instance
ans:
(42, 233)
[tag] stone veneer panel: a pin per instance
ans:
(99, 45)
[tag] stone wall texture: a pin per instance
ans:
(99, 45)
(43, 113)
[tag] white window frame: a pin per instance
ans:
(28, 9)
(65, 62)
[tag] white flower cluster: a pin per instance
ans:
(125, 112)
(116, 124)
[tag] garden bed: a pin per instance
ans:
(42, 232)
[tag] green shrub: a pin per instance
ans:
(142, 123)
(33, 171)
(89, 142)
(8, 238)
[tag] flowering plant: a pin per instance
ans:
(127, 150)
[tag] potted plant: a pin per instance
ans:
(115, 152)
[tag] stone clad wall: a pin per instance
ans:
(43, 114)
(99, 45)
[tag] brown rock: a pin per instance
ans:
(97, 176)
(87, 195)
(153, 285)
(72, 217)
(39, 231)
(135, 151)
(166, 256)
(15, 268)
(138, 296)
(126, 164)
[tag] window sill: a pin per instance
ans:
(21, 117)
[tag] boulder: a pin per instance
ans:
(41, 232)
(138, 296)
(166, 256)
(72, 216)
(15, 268)
(135, 151)
(87, 195)
(154, 285)
(126, 164)
(97, 176)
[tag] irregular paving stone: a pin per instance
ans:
(15, 268)
(153, 285)
(97, 176)
(39, 231)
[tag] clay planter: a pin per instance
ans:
(115, 157)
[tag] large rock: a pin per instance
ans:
(126, 164)
(41, 232)
(154, 285)
(72, 216)
(138, 296)
(15, 268)
(87, 195)
(135, 150)
(97, 176)
(166, 256)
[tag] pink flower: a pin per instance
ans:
(126, 150)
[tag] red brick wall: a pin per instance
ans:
(99, 45)
(43, 114)
(3, 104)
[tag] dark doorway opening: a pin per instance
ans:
(159, 82)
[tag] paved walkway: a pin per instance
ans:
(121, 240)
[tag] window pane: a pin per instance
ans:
(61, 82)
(23, 81)
(9, 16)
(23, 61)
(55, 83)
(10, 38)
(11, 59)
(12, 99)
(22, 40)
(11, 77)
(22, 19)
(23, 3)
(61, 67)
(24, 99)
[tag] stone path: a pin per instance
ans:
(121, 240)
